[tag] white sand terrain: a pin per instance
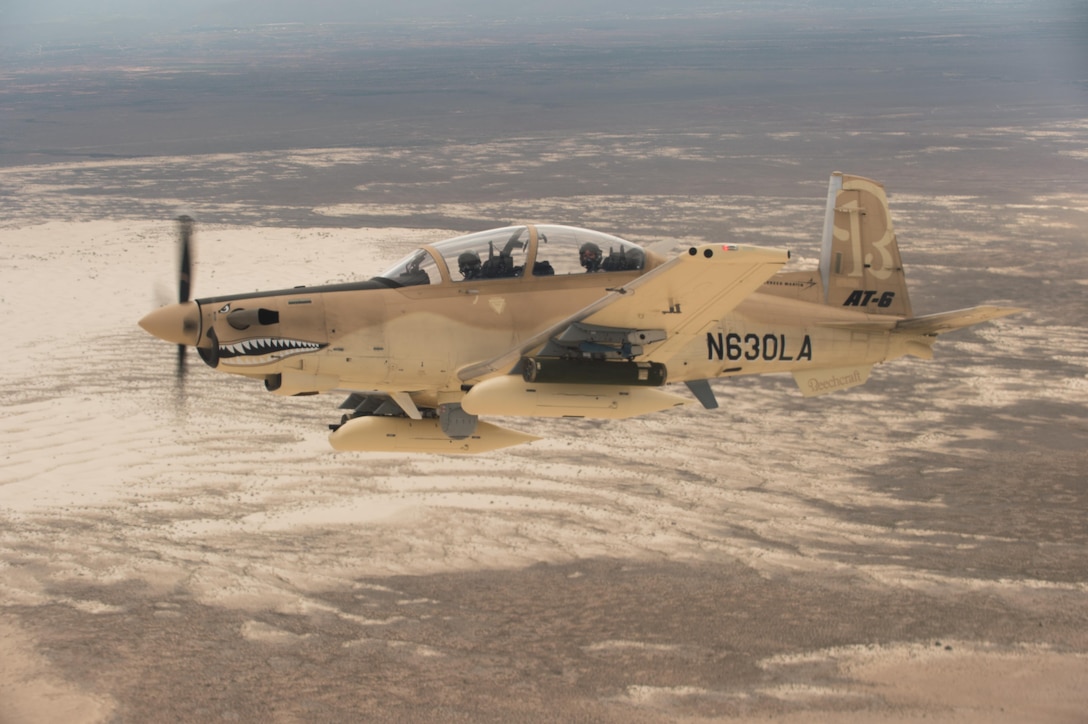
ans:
(910, 550)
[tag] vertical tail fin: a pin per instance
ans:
(859, 262)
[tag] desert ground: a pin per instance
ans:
(910, 549)
(913, 549)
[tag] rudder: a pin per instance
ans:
(860, 264)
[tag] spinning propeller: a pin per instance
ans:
(180, 323)
(185, 276)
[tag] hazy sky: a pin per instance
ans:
(274, 11)
(20, 19)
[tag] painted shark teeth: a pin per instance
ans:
(261, 350)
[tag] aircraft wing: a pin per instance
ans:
(678, 298)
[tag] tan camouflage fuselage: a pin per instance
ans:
(458, 344)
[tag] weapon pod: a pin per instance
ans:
(593, 372)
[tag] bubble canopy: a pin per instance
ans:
(516, 251)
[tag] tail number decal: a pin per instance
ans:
(862, 298)
(752, 347)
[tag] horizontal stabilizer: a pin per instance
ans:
(871, 325)
(948, 321)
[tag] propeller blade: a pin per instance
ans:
(185, 282)
(185, 271)
(181, 363)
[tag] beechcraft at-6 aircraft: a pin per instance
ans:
(556, 321)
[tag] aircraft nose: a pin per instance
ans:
(177, 323)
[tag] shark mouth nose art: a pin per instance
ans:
(262, 350)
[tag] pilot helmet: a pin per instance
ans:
(590, 256)
(469, 264)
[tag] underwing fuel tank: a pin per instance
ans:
(512, 395)
(376, 433)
